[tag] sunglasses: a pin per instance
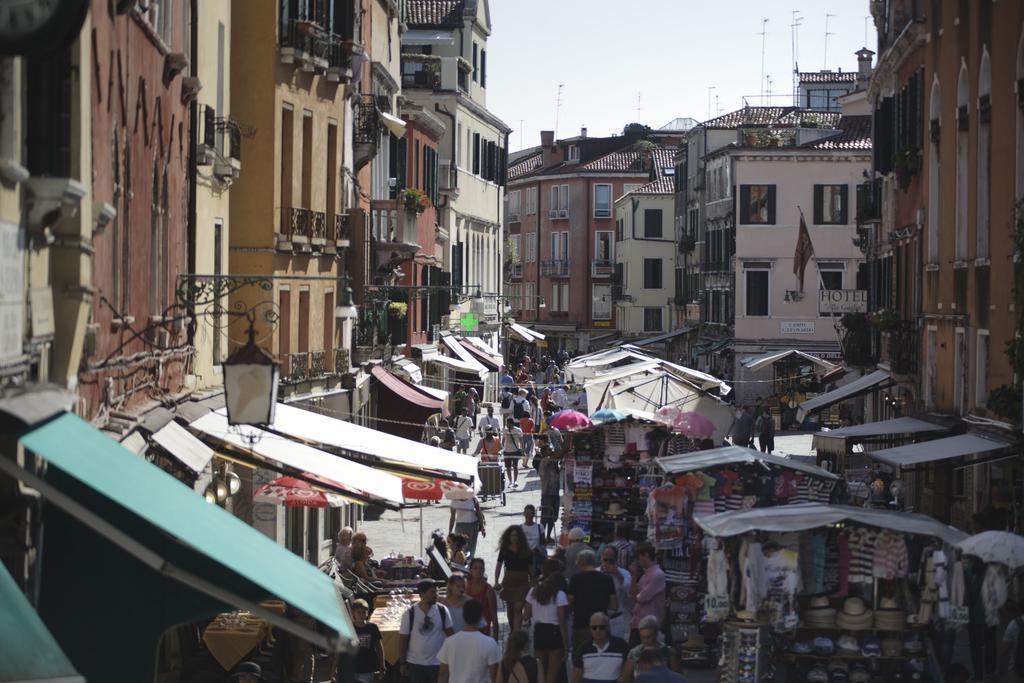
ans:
(428, 625)
(602, 627)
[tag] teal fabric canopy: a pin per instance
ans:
(27, 650)
(133, 550)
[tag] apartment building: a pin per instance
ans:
(294, 201)
(561, 226)
(444, 71)
(645, 261)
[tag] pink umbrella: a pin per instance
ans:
(693, 425)
(667, 414)
(571, 420)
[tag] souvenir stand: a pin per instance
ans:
(819, 592)
(698, 484)
(795, 377)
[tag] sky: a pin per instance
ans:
(669, 52)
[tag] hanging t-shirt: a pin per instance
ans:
(781, 579)
(709, 483)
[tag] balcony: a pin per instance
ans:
(318, 229)
(515, 271)
(902, 342)
(555, 268)
(298, 364)
(512, 217)
(317, 360)
(869, 201)
(394, 227)
(558, 213)
(602, 268)
(296, 229)
(421, 71)
(219, 144)
(313, 48)
(366, 129)
(342, 230)
(341, 361)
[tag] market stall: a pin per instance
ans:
(794, 377)
(812, 589)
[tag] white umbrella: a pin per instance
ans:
(1001, 547)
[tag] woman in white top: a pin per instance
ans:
(546, 606)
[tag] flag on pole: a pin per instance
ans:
(803, 252)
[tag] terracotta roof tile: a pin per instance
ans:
(525, 165)
(828, 76)
(854, 134)
(748, 116)
(628, 159)
(434, 12)
(663, 185)
(826, 119)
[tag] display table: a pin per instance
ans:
(390, 637)
(233, 635)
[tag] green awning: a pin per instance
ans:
(28, 653)
(195, 551)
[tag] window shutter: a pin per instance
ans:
(819, 204)
(744, 204)
(844, 203)
(771, 205)
(476, 153)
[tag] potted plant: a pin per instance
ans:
(884, 319)
(415, 200)
(906, 163)
(398, 309)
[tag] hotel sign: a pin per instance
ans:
(796, 327)
(842, 301)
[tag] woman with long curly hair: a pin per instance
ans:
(516, 559)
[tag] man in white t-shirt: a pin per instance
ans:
(466, 518)
(463, 431)
(422, 634)
(469, 656)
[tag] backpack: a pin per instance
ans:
(765, 426)
(440, 609)
(506, 401)
(519, 410)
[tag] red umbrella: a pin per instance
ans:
(292, 492)
(570, 420)
(422, 489)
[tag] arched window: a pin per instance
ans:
(962, 126)
(934, 111)
(984, 153)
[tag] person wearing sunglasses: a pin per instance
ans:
(623, 579)
(601, 659)
(422, 633)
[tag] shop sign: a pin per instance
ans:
(796, 327)
(842, 301)
(957, 616)
(716, 606)
(12, 300)
(40, 300)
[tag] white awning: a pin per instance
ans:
(456, 364)
(972, 443)
(361, 481)
(180, 443)
(525, 334)
(732, 455)
(392, 123)
(861, 385)
(460, 352)
(376, 447)
(486, 348)
(804, 516)
(836, 440)
(428, 37)
(701, 379)
(409, 369)
(766, 359)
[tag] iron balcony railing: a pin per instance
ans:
(317, 361)
(869, 201)
(318, 225)
(366, 127)
(299, 363)
(555, 268)
(296, 223)
(602, 268)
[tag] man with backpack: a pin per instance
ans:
(764, 427)
(506, 403)
(422, 633)
(512, 451)
(520, 405)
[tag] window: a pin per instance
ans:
(559, 201)
(560, 297)
(652, 224)
(573, 153)
(604, 246)
(328, 346)
(513, 206)
(831, 275)
(476, 53)
(513, 249)
(483, 68)
(602, 302)
(530, 252)
(962, 143)
(620, 228)
(652, 273)
(476, 153)
(757, 204)
(958, 375)
(981, 370)
(933, 177)
(560, 246)
(830, 204)
(531, 200)
(757, 292)
(602, 201)
(652, 320)
(931, 346)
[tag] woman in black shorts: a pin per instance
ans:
(546, 606)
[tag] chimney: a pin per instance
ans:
(547, 147)
(547, 138)
(864, 56)
(583, 132)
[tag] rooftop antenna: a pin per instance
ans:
(827, 34)
(764, 48)
(794, 32)
(768, 87)
(521, 121)
(710, 88)
(558, 107)
(718, 109)
(638, 107)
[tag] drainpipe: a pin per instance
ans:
(501, 223)
(193, 121)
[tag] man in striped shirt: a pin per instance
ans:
(600, 660)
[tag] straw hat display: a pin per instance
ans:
(694, 643)
(855, 615)
(889, 616)
(820, 614)
(615, 509)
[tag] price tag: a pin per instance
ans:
(716, 606)
(958, 616)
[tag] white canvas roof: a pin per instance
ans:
(766, 359)
(732, 455)
(835, 440)
(861, 385)
(906, 457)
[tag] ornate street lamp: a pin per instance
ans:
(250, 384)
(345, 310)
